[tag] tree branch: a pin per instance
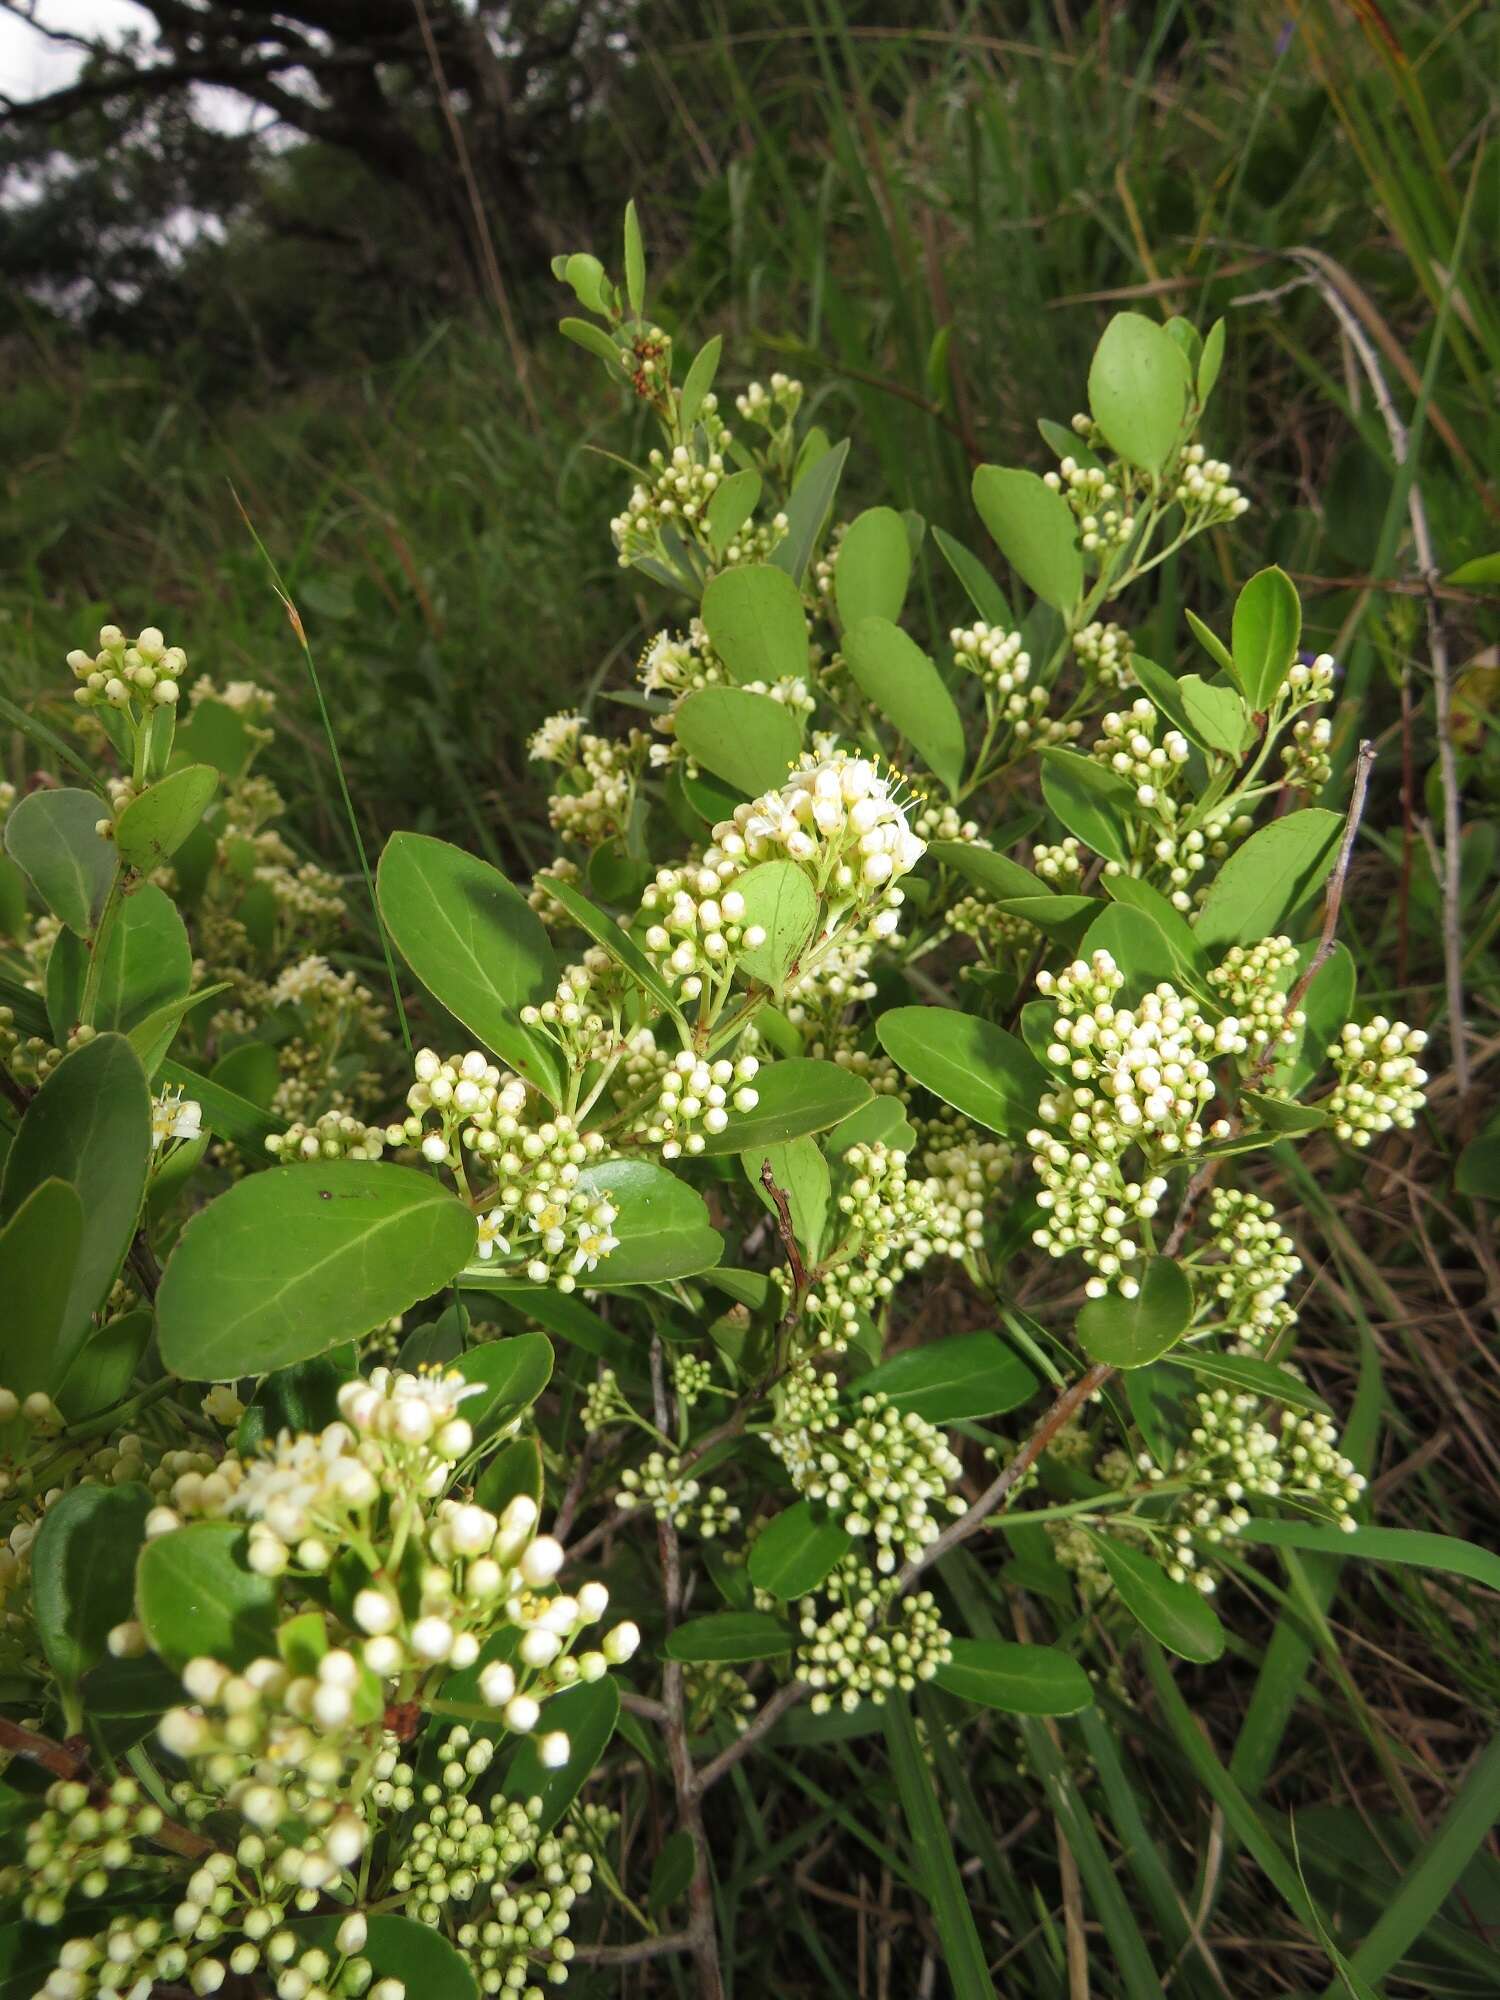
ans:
(63, 1762)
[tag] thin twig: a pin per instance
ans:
(633, 1954)
(63, 1762)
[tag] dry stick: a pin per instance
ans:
(633, 1954)
(65, 1763)
(1437, 648)
(702, 1931)
(1071, 1400)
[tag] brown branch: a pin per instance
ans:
(64, 1762)
(784, 1229)
(633, 1954)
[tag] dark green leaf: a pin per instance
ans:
(1092, 801)
(103, 1369)
(156, 823)
(960, 1378)
(1269, 877)
(587, 1714)
(673, 1870)
(780, 898)
(894, 673)
(39, 1249)
(795, 1551)
(807, 513)
(225, 1111)
(1255, 1378)
(801, 1172)
(991, 871)
(1138, 390)
(699, 380)
(516, 1468)
(729, 1638)
(873, 567)
(976, 1067)
(513, 1373)
(1127, 1333)
(51, 836)
(146, 969)
(196, 1594)
(1021, 1680)
(290, 1262)
(1176, 1614)
(583, 333)
(1034, 530)
(986, 596)
(730, 508)
(795, 1097)
(635, 262)
(1267, 627)
(755, 621)
(663, 1226)
(400, 1948)
(746, 739)
(620, 945)
(82, 1573)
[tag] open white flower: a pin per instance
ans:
(174, 1116)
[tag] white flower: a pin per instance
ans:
(174, 1116)
(556, 740)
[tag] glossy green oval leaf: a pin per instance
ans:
(971, 1064)
(756, 624)
(225, 1111)
(699, 380)
(981, 589)
(1034, 530)
(516, 1468)
(1138, 390)
(800, 1171)
(1127, 1333)
(729, 1638)
(52, 837)
(988, 870)
(893, 673)
(1264, 636)
(1418, 1547)
(1269, 877)
(1020, 1680)
(39, 1248)
(474, 942)
(196, 1594)
(733, 502)
(512, 1373)
(635, 261)
(289, 1262)
(780, 898)
(1092, 802)
(1181, 939)
(663, 1225)
(1255, 1378)
(400, 1948)
(145, 970)
(89, 1125)
(586, 1714)
(156, 823)
(873, 567)
(103, 1369)
(83, 1573)
(795, 1551)
(1211, 360)
(795, 1097)
(963, 1377)
(594, 340)
(1178, 1615)
(747, 739)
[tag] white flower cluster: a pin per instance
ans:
(599, 774)
(774, 407)
(662, 1485)
(1205, 489)
(678, 1101)
(334, 1135)
(583, 1015)
(1103, 651)
(1252, 981)
(1260, 1266)
(1094, 495)
(132, 675)
(135, 1956)
(76, 1844)
(1136, 1078)
(882, 1473)
(844, 821)
(697, 928)
(1380, 1083)
(1129, 748)
(1062, 865)
(819, 997)
(997, 659)
(866, 1641)
(677, 664)
(965, 1167)
(1232, 1456)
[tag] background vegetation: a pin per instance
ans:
(927, 214)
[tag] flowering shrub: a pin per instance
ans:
(857, 978)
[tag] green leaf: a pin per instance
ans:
(1176, 1614)
(1477, 1173)
(1034, 530)
(1415, 1547)
(1174, 927)
(971, 1064)
(620, 945)
(196, 1594)
(1211, 643)
(1480, 572)
(873, 567)
(779, 897)
(881, 1120)
(663, 1226)
(807, 513)
(635, 262)
(475, 943)
(289, 1262)
(225, 1111)
(747, 739)
(1138, 390)
(51, 837)
(960, 1378)
(1210, 361)
(1268, 877)
(699, 380)
(587, 1714)
(594, 340)
(156, 823)
(562, 1313)
(755, 622)
(1217, 715)
(1137, 944)
(795, 1551)
(891, 669)
(512, 1372)
(1327, 1004)
(1256, 1378)
(103, 1369)
(90, 1125)
(400, 1948)
(1127, 1333)
(1021, 1680)
(587, 277)
(1092, 801)
(991, 871)
(1267, 627)
(795, 1097)
(39, 1248)
(728, 1638)
(981, 589)
(801, 1172)
(516, 1468)
(153, 1035)
(146, 967)
(83, 1573)
(932, 1849)
(730, 508)
(672, 1872)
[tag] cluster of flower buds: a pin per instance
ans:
(771, 407)
(1204, 489)
(697, 926)
(672, 1494)
(1252, 981)
(133, 676)
(599, 774)
(689, 1099)
(1095, 497)
(583, 1015)
(867, 1641)
(1306, 762)
(1380, 1083)
(1061, 864)
(1129, 747)
(882, 1473)
(76, 1844)
(1103, 651)
(1260, 1265)
(333, 1135)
